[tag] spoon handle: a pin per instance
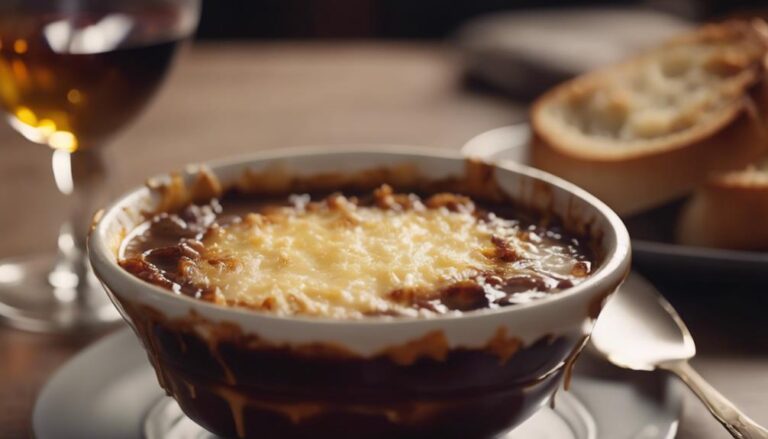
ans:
(737, 423)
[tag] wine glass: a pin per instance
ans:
(72, 74)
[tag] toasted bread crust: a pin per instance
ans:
(730, 211)
(633, 170)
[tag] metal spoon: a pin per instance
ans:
(639, 330)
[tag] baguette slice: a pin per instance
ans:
(730, 211)
(651, 129)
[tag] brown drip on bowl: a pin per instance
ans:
(431, 347)
(570, 362)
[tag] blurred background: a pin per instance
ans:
(400, 19)
(277, 73)
(517, 47)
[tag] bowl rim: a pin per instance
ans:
(610, 274)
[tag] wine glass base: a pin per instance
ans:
(34, 296)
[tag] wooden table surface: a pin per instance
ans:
(227, 99)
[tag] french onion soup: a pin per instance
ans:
(364, 250)
(362, 254)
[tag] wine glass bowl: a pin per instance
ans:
(73, 73)
(72, 80)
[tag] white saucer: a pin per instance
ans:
(569, 420)
(110, 391)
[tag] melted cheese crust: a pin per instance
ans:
(346, 262)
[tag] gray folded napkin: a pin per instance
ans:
(526, 52)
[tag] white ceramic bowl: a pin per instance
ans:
(212, 369)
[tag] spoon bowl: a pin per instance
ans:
(639, 329)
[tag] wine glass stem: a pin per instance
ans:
(80, 177)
